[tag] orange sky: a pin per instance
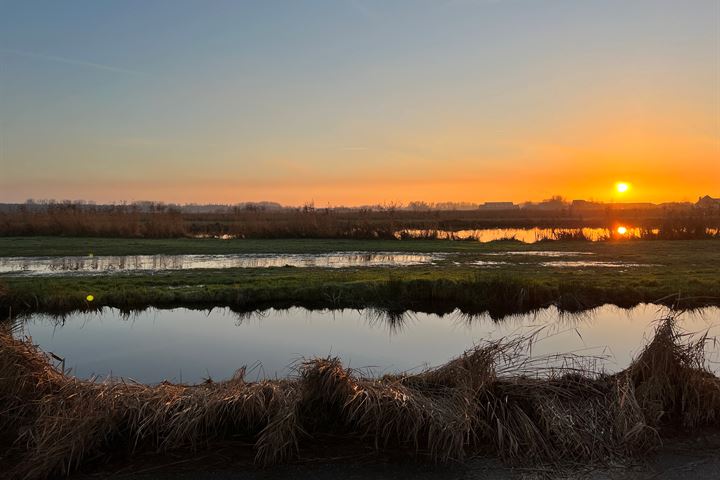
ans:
(353, 103)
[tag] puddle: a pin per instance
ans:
(542, 253)
(156, 263)
(559, 263)
(490, 263)
(590, 263)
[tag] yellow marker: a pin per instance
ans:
(89, 298)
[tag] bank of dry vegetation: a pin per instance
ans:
(161, 221)
(493, 398)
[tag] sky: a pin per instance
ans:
(352, 102)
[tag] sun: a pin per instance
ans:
(622, 230)
(622, 187)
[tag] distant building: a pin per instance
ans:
(634, 206)
(554, 203)
(586, 205)
(708, 202)
(499, 206)
(676, 205)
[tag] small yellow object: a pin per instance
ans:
(622, 230)
(90, 298)
(90, 254)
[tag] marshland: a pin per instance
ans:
(358, 239)
(434, 348)
(438, 335)
(550, 220)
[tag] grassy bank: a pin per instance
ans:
(421, 289)
(688, 268)
(493, 398)
(688, 251)
(79, 246)
(667, 269)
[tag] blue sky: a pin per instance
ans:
(358, 101)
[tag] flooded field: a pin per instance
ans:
(532, 235)
(190, 345)
(559, 259)
(96, 265)
(150, 263)
(542, 253)
(525, 235)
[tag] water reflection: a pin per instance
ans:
(592, 263)
(532, 235)
(542, 253)
(144, 263)
(559, 260)
(190, 345)
(525, 235)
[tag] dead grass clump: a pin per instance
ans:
(26, 374)
(495, 397)
(672, 382)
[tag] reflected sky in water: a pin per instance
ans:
(532, 235)
(190, 345)
(144, 263)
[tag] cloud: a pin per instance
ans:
(71, 61)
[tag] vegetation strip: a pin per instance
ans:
(162, 221)
(421, 290)
(670, 269)
(79, 246)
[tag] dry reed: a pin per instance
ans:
(161, 221)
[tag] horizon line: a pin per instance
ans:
(385, 204)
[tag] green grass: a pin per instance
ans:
(57, 246)
(79, 246)
(687, 268)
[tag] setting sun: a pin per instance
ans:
(622, 187)
(622, 230)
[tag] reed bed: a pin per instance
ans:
(494, 398)
(162, 221)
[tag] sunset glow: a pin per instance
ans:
(621, 230)
(355, 103)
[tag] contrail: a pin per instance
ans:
(70, 61)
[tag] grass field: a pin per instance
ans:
(501, 410)
(678, 251)
(669, 269)
(74, 246)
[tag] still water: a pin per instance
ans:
(144, 263)
(191, 345)
(532, 235)
(525, 235)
